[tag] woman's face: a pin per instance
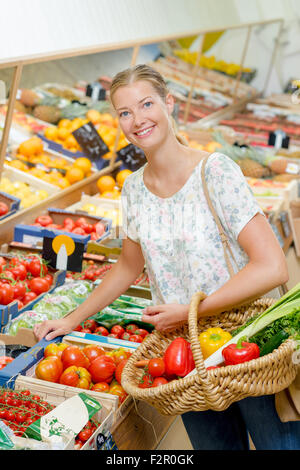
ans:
(143, 115)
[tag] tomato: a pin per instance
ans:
(3, 261)
(125, 336)
(86, 330)
(19, 272)
(78, 231)
(44, 220)
(119, 391)
(88, 228)
(136, 338)
(81, 222)
(112, 335)
(119, 355)
(146, 381)
(119, 369)
(3, 412)
(91, 324)
(92, 351)
(73, 356)
(100, 330)
(102, 369)
(117, 330)
(131, 328)
(3, 209)
(69, 223)
(38, 285)
(100, 387)
(8, 275)
(20, 417)
(20, 304)
(10, 415)
(29, 297)
(7, 294)
(19, 290)
(85, 434)
(76, 377)
(99, 228)
(156, 367)
(141, 332)
(49, 279)
(78, 328)
(49, 369)
(55, 349)
(37, 268)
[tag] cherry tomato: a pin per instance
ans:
(117, 330)
(146, 381)
(131, 328)
(90, 324)
(44, 220)
(156, 367)
(85, 434)
(100, 330)
(141, 332)
(125, 336)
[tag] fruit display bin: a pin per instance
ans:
(269, 189)
(105, 415)
(32, 181)
(34, 235)
(21, 373)
(12, 202)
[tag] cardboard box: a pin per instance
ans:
(12, 202)
(294, 219)
(24, 336)
(34, 235)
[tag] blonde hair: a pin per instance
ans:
(149, 74)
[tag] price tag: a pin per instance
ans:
(63, 253)
(279, 139)
(93, 146)
(105, 442)
(133, 157)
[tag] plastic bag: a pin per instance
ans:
(55, 306)
(25, 320)
(77, 290)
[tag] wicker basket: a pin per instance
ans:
(215, 389)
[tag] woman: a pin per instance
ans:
(169, 226)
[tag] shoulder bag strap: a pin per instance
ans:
(223, 236)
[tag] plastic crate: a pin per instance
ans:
(12, 202)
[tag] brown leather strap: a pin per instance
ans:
(223, 236)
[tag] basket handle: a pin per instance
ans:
(208, 389)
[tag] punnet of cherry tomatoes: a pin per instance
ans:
(21, 408)
(89, 367)
(23, 278)
(130, 332)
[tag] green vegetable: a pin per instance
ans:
(289, 323)
(274, 342)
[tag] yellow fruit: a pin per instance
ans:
(212, 146)
(63, 183)
(108, 194)
(63, 133)
(94, 116)
(51, 133)
(18, 165)
(74, 175)
(106, 183)
(42, 194)
(121, 176)
(71, 142)
(84, 164)
(31, 146)
(89, 208)
(64, 123)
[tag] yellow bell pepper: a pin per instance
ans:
(213, 339)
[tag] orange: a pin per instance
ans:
(63, 133)
(108, 195)
(64, 123)
(31, 146)
(18, 164)
(105, 183)
(63, 183)
(71, 142)
(50, 133)
(74, 175)
(121, 176)
(212, 146)
(84, 164)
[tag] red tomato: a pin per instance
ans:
(125, 336)
(7, 294)
(9, 275)
(49, 369)
(88, 228)
(119, 369)
(131, 328)
(81, 222)
(100, 330)
(44, 220)
(86, 330)
(73, 356)
(3, 262)
(76, 377)
(119, 391)
(100, 387)
(78, 231)
(159, 381)
(19, 290)
(38, 285)
(37, 268)
(69, 223)
(3, 209)
(29, 297)
(49, 279)
(119, 355)
(146, 381)
(20, 304)
(112, 335)
(141, 332)
(117, 330)
(136, 338)
(102, 369)
(156, 367)
(19, 272)
(85, 434)
(91, 324)
(92, 351)
(55, 349)
(78, 328)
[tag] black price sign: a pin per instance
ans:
(133, 157)
(92, 144)
(62, 252)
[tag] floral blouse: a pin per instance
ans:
(178, 235)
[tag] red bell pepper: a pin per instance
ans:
(178, 358)
(240, 352)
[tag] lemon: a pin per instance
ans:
(89, 208)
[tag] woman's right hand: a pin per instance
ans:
(52, 328)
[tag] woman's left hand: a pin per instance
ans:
(167, 316)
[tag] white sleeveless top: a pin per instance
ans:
(178, 235)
